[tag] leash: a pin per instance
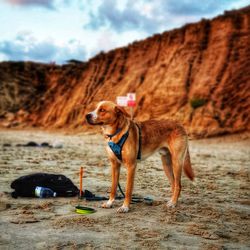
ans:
(136, 199)
(120, 189)
(89, 196)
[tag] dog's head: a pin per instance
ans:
(106, 113)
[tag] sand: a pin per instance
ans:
(213, 213)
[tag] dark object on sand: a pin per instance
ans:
(35, 144)
(28, 144)
(25, 185)
(89, 196)
(31, 144)
(45, 145)
(6, 145)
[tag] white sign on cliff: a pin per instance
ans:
(122, 101)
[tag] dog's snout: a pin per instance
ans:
(92, 118)
(88, 116)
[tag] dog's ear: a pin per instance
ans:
(120, 110)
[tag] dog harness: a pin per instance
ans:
(139, 150)
(117, 147)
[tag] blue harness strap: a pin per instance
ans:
(117, 147)
(139, 150)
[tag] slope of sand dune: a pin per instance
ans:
(212, 214)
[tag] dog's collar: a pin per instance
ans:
(110, 136)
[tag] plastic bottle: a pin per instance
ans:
(43, 192)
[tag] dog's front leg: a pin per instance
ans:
(115, 171)
(129, 188)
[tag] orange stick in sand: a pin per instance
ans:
(81, 175)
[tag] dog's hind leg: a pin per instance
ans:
(187, 167)
(167, 166)
(178, 151)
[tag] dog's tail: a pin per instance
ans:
(187, 167)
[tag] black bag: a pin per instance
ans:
(25, 185)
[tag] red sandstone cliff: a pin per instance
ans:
(198, 74)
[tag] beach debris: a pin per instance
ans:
(56, 144)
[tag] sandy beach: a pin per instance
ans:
(213, 212)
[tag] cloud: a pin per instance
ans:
(26, 48)
(154, 16)
(47, 4)
(196, 7)
(107, 24)
(108, 14)
(42, 3)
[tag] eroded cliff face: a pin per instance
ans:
(198, 74)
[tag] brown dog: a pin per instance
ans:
(140, 141)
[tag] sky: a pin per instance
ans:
(61, 30)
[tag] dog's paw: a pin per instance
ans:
(107, 204)
(171, 204)
(123, 209)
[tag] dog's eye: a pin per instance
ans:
(102, 110)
